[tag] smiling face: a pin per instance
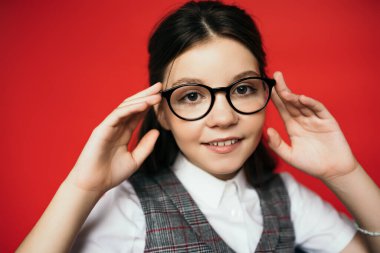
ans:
(220, 142)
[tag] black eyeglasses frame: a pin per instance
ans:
(168, 92)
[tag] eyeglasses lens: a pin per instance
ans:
(191, 102)
(249, 95)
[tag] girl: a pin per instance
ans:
(200, 178)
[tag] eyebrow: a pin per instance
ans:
(244, 74)
(186, 80)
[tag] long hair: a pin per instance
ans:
(193, 23)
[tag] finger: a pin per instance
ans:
(316, 107)
(294, 102)
(278, 145)
(305, 110)
(285, 115)
(150, 99)
(289, 99)
(120, 114)
(280, 106)
(128, 126)
(145, 147)
(280, 82)
(125, 110)
(132, 122)
(154, 89)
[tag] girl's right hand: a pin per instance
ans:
(105, 160)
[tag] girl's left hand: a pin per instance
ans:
(318, 146)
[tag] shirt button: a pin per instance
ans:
(233, 212)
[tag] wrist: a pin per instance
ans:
(344, 178)
(71, 186)
(88, 182)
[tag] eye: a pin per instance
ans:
(192, 96)
(244, 89)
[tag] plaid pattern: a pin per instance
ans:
(278, 233)
(174, 223)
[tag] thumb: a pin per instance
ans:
(278, 145)
(145, 147)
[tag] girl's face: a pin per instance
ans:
(222, 141)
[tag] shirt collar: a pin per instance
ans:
(203, 186)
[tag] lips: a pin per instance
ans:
(223, 145)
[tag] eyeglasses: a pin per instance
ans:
(194, 101)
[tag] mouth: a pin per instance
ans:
(223, 146)
(223, 143)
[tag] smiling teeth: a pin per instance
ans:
(223, 143)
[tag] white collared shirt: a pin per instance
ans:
(117, 223)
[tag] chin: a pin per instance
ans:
(224, 170)
(225, 176)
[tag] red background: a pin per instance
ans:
(64, 65)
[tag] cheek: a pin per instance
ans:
(254, 121)
(259, 125)
(183, 131)
(253, 126)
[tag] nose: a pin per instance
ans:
(222, 114)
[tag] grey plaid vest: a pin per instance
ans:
(174, 223)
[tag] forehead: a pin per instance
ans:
(215, 61)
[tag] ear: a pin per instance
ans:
(160, 114)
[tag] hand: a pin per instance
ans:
(318, 146)
(105, 160)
